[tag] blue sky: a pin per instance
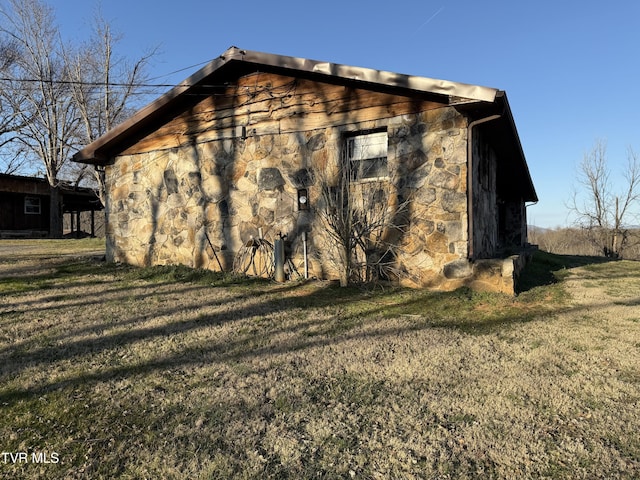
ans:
(570, 70)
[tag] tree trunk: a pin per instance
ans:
(345, 265)
(55, 213)
(344, 278)
(616, 231)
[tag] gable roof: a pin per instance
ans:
(235, 62)
(477, 101)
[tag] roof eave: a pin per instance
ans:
(100, 151)
(368, 75)
(516, 137)
(92, 153)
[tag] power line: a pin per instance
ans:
(250, 90)
(115, 84)
(102, 84)
(181, 70)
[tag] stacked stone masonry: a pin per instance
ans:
(199, 188)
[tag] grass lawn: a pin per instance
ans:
(109, 371)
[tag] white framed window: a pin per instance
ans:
(367, 155)
(32, 206)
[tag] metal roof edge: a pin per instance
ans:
(474, 93)
(368, 75)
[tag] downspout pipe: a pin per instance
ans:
(470, 127)
(526, 224)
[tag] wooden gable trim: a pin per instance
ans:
(226, 67)
(276, 104)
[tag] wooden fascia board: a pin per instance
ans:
(100, 151)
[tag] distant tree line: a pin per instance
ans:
(56, 97)
(580, 241)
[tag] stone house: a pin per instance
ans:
(236, 151)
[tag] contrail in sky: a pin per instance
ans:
(429, 19)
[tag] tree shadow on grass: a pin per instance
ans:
(548, 268)
(266, 320)
(273, 321)
(253, 338)
(184, 386)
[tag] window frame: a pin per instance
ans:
(30, 208)
(354, 165)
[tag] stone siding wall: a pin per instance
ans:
(213, 192)
(230, 167)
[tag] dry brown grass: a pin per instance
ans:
(166, 373)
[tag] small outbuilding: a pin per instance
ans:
(244, 149)
(25, 206)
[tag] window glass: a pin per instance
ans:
(32, 206)
(367, 155)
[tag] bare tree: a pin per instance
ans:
(62, 97)
(104, 87)
(363, 220)
(41, 93)
(12, 157)
(603, 213)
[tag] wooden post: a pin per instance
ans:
(279, 260)
(93, 223)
